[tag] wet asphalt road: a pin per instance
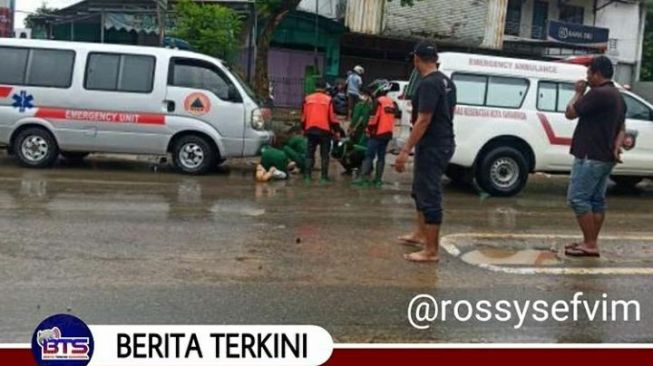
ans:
(115, 242)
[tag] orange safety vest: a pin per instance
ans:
(317, 112)
(383, 121)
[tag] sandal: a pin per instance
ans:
(581, 252)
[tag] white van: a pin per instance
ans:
(510, 122)
(74, 98)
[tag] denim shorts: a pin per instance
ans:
(430, 164)
(588, 186)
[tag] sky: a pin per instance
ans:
(24, 7)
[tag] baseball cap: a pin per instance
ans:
(425, 49)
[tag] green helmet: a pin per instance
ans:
(379, 87)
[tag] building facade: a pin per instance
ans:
(543, 29)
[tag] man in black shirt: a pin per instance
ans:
(433, 139)
(596, 146)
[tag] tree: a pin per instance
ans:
(32, 20)
(211, 29)
(647, 51)
(271, 13)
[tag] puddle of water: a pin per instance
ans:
(242, 209)
(506, 257)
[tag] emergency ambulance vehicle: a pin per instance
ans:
(74, 98)
(510, 121)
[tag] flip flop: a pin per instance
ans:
(572, 246)
(581, 252)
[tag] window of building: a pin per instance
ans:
(47, 68)
(540, 19)
(513, 17)
(572, 14)
(198, 74)
(554, 96)
(119, 72)
(490, 91)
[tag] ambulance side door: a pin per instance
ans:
(124, 96)
(556, 130)
(200, 90)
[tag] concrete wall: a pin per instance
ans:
(327, 8)
(460, 22)
(625, 21)
(554, 14)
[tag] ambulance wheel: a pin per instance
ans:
(74, 157)
(36, 148)
(627, 182)
(502, 172)
(194, 155)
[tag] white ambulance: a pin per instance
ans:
(510, 122)
(74, 98)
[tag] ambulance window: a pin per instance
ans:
(470, 88)
(198, 74)
(553, 96)
(506, 92)
(51, 68)
(102, 72)
(547, 95)
(14, 62)
(137, 74)
(117, 72)
(566, 91)
(636, 109)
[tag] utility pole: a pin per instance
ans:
(161, 11)
(317, 30)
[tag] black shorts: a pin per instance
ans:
(430, 165)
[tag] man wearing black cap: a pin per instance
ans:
(433, 139)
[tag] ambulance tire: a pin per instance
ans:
(35, 147)
(194, 155)
(626, 182)
(502, 172)
(74, 157)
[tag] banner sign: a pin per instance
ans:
(578, 34)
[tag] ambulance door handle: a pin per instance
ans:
(170, 105)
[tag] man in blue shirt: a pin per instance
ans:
(354, 85)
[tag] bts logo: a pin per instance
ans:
(62, 340)
(56, 347)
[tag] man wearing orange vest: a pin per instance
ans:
(379, 129)
(319, 121)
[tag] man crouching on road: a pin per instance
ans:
(596, 146)
(433, 139)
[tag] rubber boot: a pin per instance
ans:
(364, 177)
(378, 178)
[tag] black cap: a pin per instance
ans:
(425, 49)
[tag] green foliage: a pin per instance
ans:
(31, 21)
(211, 29)
(647, 52)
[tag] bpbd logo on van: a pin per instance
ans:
(62, 340)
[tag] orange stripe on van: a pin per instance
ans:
(101, 116)
(550, 134)
(5, 91)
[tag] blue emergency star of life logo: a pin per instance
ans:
(23, 101)
(62, 340)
